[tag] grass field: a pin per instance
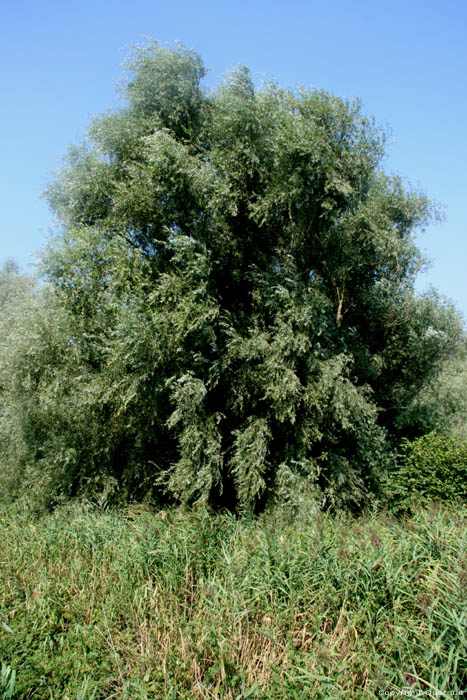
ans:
(187, 604)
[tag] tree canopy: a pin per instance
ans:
(230, 313)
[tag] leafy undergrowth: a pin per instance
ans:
(189, 604)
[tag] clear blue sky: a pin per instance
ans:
(405, 59)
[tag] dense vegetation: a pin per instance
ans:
(228, 313)
(227, 325)
(432, 466)
(184, 605)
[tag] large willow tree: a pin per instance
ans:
(230, 314)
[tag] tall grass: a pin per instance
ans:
(188, 604)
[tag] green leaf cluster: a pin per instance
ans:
(442, 402)
(432, 467)
(229, 313)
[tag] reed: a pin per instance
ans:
(188, 604)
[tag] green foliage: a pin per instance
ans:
(14, 286)
(183, 604)
(433, 467)
(229, 315)
(442, 402)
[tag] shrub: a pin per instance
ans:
(432, 466)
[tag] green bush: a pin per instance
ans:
(432, 466)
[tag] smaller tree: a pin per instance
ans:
(441, 404)
(14, 286)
